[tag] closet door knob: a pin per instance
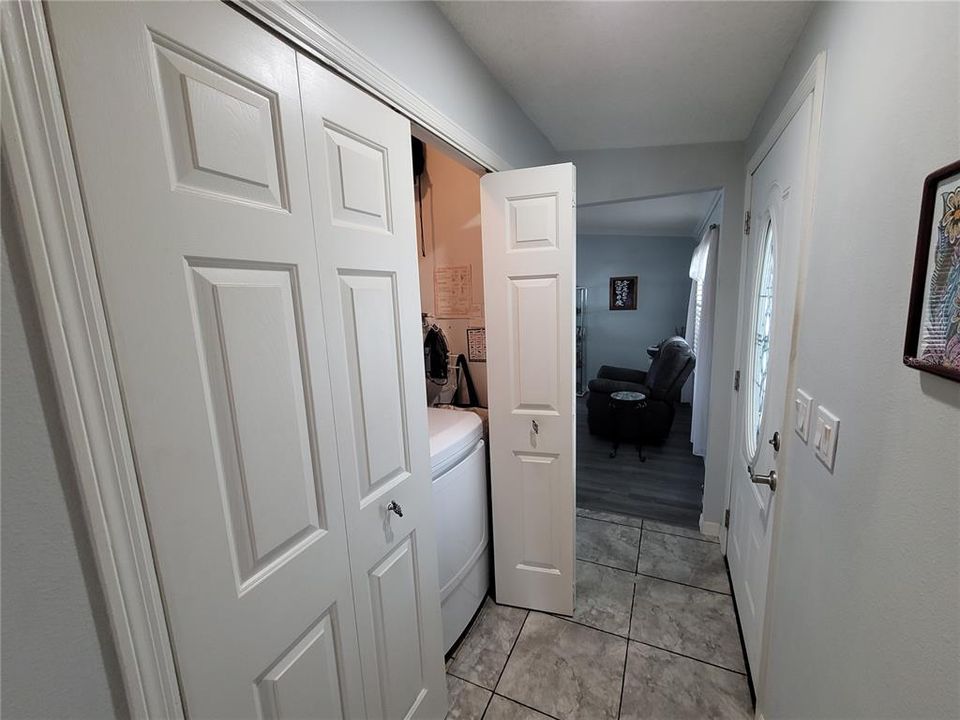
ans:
(395, 507)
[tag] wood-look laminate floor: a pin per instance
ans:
(667, 487)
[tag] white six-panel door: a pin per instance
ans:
(261, 310)
(529, 269)
(361, 168)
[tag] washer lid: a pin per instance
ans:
(452, 433)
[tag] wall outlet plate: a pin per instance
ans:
(802, 404)
(825, 436)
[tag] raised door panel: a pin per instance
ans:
(396, 615)
(222, 129)
(359, 191)
(305, 681)
(534, 327)
(541, 552)
(371, 344)
(533, 222)
(247, 324)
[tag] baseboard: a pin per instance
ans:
(709, 528)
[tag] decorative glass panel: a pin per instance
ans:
(761, 335)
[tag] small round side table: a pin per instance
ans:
(626, 407)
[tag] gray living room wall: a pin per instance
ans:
(661, 264)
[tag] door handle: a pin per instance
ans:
(536, 427)
(394, 506)
(769, 479)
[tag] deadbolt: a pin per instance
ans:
(775, 441)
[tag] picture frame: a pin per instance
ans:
(932, 342)
(623, 292)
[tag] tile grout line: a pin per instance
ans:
(642, 520)
(470, 682)
(688, 657)
(494, 693)
(677, 582)
(589, 627)
(510, 654)
(626, 653)
(487, 706)
(611, 567)
(631, 639)
(685, 537)
(653, 577)
(528, 707)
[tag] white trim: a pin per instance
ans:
(710, 528)
(37, 147)
(300, 27)
(703, 223)
(812, 83)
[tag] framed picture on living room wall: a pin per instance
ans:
(623, 293)
(933, 321)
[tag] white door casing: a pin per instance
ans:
(190, 145)
(777, 211)
(528, 221)
(360, 168)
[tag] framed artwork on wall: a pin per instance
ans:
(933, 321)
(623, 293)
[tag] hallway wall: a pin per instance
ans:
(606, 175)
(416, 44)
(864, 599)
(662, 265)
(58, 658)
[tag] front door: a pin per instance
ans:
(773, 260)
(529, 270)
(252, 222)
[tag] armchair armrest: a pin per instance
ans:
(609, 372)
(607, 386)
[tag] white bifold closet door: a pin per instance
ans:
(257, 257)
(528, 219)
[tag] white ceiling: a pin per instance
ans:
(626, 74)
(673, 216)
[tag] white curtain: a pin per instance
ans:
(703, 272)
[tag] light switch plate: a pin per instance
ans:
(825, 436)
(802, 404)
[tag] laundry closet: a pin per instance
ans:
(450, 256)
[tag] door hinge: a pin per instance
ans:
(736, 381)
(746, 223)
(726, 518)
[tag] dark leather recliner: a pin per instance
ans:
(661, 384)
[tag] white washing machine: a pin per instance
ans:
(459, 467)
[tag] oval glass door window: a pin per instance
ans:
(760, 352)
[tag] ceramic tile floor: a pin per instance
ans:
(653, 636)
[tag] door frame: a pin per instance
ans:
(812, 83)
(45, 183)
